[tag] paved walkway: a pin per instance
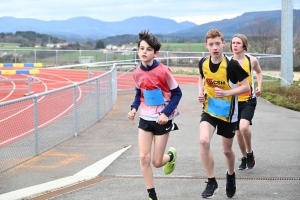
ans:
(103, 162)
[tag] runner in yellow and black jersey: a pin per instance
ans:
(217, 91)
(247, 101)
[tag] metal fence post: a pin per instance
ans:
(75, 111)
(287, 42)
(56, 60)
(36, 125)
(167, 58)
(28, 83)
(97, 99)
(15, 55)
(106, 57)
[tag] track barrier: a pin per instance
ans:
(11, 72)
(21, 65)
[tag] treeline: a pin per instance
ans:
(29, 38)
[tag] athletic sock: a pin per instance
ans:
(152, 193)
(212, 179)
(171, 156)
(230, 176)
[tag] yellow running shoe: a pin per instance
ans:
(170, 166)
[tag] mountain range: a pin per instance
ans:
(86, 28)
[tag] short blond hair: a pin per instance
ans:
(244, 40)
(213, 33)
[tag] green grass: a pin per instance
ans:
(186, 72)
(8, 45)
(287, 97)
(272, 91)
(192, 47)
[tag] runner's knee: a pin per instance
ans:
(145, 159)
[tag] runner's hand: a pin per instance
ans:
(257, 91)
(162, 119)
(219, 92)
(131, 114)
(201, 98)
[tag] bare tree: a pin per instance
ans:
(261, 32)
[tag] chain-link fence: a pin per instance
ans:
(34, 124)
(51, 58)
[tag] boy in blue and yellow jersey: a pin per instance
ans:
(158, 95)
(218, 92)
(247, 101)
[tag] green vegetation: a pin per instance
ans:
(192, 47)
(287, 97)
(186, 72)
(28, 38)
(6, 45)
(272, 91)
(189, 47)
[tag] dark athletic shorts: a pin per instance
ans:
(224, 129)
(246, 111)
(156, 128)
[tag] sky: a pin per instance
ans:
(196, 11)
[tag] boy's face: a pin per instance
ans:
(146, 53)
(215, 46)
(237, 45)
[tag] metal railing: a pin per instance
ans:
(34, 124)
(51, 58)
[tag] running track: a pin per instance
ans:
(18, 123)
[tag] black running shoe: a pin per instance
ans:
(243, 165)
(210, 190)
(250, 160)
(230, 186)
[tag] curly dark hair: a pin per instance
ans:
(150, 39)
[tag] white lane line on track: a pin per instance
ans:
(12, 91)
(86, 174)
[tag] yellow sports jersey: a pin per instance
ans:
(250, 94)
(222, 108)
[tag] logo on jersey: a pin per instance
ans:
(214, 83)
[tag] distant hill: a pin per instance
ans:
(231, 26)
(88, 29)
(85, 28)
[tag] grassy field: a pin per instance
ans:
(8, 45)
(189, 47)
(287, 97)
(4, 45)
(192, 47)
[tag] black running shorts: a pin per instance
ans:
(156, 128)
(246, 111)
(224, 129)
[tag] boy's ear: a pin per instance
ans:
(156, 54)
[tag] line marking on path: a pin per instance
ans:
(88, 173)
